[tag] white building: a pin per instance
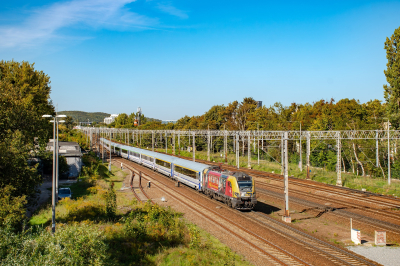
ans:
(109, 120)
(72, 153)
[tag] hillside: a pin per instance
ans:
(80, 116)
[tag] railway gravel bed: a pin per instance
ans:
(259, 239)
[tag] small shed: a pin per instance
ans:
(72, 153)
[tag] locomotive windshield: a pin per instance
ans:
(245, 184)
(244, 180)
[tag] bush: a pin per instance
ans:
(12, 209)
(77, 244)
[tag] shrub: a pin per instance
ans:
(76, 244)
(12, 209)
(111, 201)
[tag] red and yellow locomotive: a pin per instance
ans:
(236, 189)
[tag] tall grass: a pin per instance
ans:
(146, 235)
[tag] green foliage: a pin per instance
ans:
(111, 201)
(75, 244)
(25, 97)
(392, 73)
(12, 209)
(15, 169)
(80, 116)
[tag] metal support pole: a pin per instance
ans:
(57, 159)
(225, 146)
(152, 140)
(286, 218)
(237, 151)
(301, 154)
(166, 143)
(90, 139)
(339, 160)
(248, 150)
(173, 143)
(308, 154)
(258, 146)
(377, 148)
(208, 145)
(194, 146)
(53, 200)
(388, 137)
(282, 154)
(179, 143)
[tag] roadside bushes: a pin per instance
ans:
(74, 244)
(12, 209)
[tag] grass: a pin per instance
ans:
(138, 234)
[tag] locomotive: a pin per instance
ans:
(236, 189)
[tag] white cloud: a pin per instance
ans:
(169, 9)
(45, 23)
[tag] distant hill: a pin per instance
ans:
(80, 116)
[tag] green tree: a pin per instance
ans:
(25, 97)
(392, 73)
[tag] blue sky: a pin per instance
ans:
(176, 58)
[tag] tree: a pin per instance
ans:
(25, 97)
(392, 73)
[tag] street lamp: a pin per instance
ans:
(55, 168)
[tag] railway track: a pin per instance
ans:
(136, 185)
(280, 255)
(390, 207)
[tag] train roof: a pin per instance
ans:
(199, 167)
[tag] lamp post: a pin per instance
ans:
(55, 169)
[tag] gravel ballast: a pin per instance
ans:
(388, 256)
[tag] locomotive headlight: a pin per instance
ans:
(237, 194)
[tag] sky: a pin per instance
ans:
(177, 58)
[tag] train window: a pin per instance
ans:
(162, 163)
(186, 172)
(124, 151)
(243, 184)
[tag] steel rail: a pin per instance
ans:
(286, 253)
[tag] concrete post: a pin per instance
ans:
(339, 160)
(179, 143)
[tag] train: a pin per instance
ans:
(236, 189)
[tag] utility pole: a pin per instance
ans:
(287, 217)
(194, 146)
(301, 154)
(152, 140)
(377, 148)
(308, 154)
(208, 143)
(339, 159)
(258, 145)
(248, 151)
(388, 136)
